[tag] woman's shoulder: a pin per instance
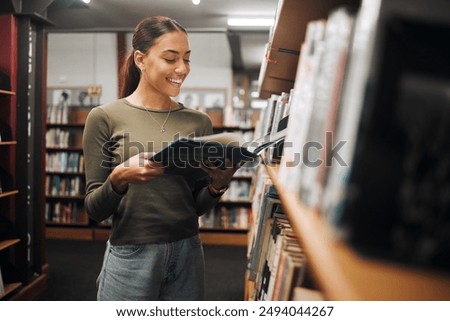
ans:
(105, 112)
(114, 105)
(108, 108)
(194, 112)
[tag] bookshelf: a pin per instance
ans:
(67, 109)
(22, 249)
(8, 191)
(337, 233)
(227, 223)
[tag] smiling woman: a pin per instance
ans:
(154, 247)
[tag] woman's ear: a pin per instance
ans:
(139, 59)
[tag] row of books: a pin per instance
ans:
(64, 162)
(57, 185)
(59, 113)
(238, 191)
(278, 107)
(70, 212)
(284, 264)
(316, 97)
(276, 261)
(271, 126)
(62, 138)
(226, 217)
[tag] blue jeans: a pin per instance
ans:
(166, 271)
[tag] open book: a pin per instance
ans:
(185, 156)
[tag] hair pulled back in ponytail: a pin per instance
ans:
(144, 36)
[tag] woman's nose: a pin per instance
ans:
(181, 68)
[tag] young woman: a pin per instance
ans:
(154, 251)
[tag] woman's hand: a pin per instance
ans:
(220, 178)
(137, 169)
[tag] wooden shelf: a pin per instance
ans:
(65, 198)
(278, 68)
(236, 237)
(233, 128)
(343, 274)
(9, 143)
(9, 193)
(69, 224)
(7, 92)
(9, 288)
(7, 243)
(223, 230)
(65, 149)
(65, 173)
(22, 157)
(244, 202)
(69, 233)
(222, 238)
(71, 125)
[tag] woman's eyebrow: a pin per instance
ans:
(176, 52)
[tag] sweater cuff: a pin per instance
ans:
(112, 190)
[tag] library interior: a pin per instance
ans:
(338, 94)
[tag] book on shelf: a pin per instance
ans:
(267, 263)
(66, 213)
(57, 113)
(261, 183)
(226, 217)
(282, 236)
(301, 100)
(291, 275)
(268, 115)
(281, 262)
(288, 264)
(349, 112)
(325, 101)
(267, 206)
(185, 156)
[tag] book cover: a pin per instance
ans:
(301, 105)
(327, 89)
(268, 206)
(349, 112)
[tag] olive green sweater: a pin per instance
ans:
(163, 210)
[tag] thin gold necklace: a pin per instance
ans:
(162, 128)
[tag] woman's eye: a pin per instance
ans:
(169, 60)
(187, 60)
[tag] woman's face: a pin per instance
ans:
(166, 64)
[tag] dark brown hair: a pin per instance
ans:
(144, 36)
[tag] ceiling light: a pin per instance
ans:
(250, 22)
(196, 2)
(86, 1)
